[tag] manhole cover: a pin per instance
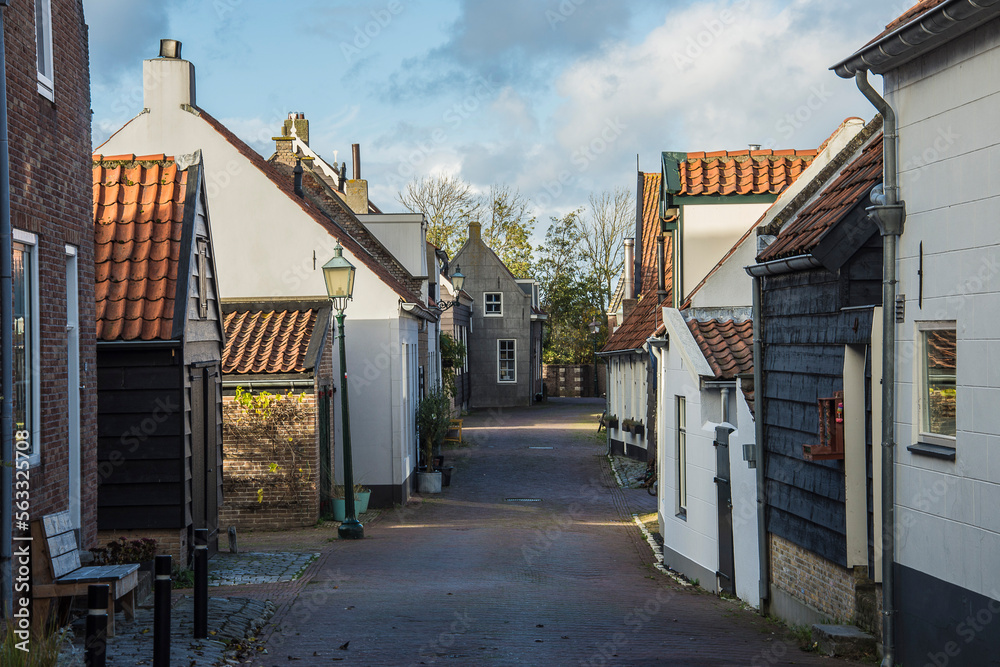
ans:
(523, 500)
(539, 448)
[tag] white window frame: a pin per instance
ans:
(680, 414)
(486, 304)
(29, 242)
(43, 47)
(921, 382)
(500, 379)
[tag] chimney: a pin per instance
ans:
(298, 178)
(661, 287)
(357, 189)
(168, 81)
(475, 231)
(628, 280)
(296, 125)
(612, 322)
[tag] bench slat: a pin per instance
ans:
(62, 544)
(99, 573)
(57, 523)
(65, 564)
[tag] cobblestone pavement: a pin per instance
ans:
(229, 620)
(531, 557)
(227, 569)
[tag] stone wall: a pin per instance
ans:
(268, 485)
(574, 380)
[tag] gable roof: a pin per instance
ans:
(808, 228)
(726, 344)
(140, 208)
(273, 337)
(643, 320)
(737, 172)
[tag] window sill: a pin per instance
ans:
(492, 314)
(933, 451)
(682, 515)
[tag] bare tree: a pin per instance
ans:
(448, 203)
(603, 228)
(507, 230)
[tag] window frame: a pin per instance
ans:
(680, 442)
(513, 360)
(28, 243)
(43, 30)
(923, 435)
(486, 304)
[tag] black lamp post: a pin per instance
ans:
(457, 280)
(339, 276)
(595, 328)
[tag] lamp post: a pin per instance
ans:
(457, 280)
(595, 328)
(339, 276)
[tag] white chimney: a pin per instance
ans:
(629, 267)
(167, 81)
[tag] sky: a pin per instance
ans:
(556, 98)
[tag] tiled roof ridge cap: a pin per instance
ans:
(745, 155)
(735, 314)
(828, 172)
(129, 158)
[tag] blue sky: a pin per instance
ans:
(553, 97)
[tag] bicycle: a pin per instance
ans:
(648, 480)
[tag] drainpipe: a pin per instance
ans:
(7, 352)
(725, 405)
(888, 213)
(758, 423)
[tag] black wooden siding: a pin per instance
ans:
(140, 437)
(804, 334)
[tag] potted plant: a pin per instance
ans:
(124, 551)
(433, 420)
(613, 421)
(627, 424)
(338, 506)
(637, 427)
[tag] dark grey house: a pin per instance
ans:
(159, 350)
(504, 345)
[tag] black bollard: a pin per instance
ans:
(96, 642)
(200, 583)
(161, 612)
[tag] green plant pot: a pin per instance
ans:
(339, 511)
(361, 501)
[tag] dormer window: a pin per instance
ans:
(493, 304)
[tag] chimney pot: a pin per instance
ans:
(170, 48)
(629, 268)
(298, 178)
(356, 156)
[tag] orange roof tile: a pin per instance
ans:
(742, 172)
(726, 344)
(139, 205)
(642, 322)
(267, 341)
(910, 15)
(806, 230)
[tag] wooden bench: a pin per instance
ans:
(58, 574)
(456, 425)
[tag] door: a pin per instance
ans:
(205, 466)
(727, 564)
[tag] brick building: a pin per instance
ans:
(48, 94)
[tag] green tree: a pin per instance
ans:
(570, 293)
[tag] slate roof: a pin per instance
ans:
(139, 206)
(642, 322)
(807, 229)
(742, 172)
(265, 340)
(726, 344)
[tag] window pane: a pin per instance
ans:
(939, 374)
(22, 337)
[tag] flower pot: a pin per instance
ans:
(429, 482)
(446, 475)
(361, 499)
(339, 510)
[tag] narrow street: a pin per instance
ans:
(530, 557)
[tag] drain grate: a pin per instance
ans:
(522, 500)
(533, 447)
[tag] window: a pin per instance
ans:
(681, 456)
(506, 358)
(494, 304)
(937, 400)
(27, 395)
(43, 47)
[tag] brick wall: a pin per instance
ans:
(824, 586)
(168, 542)
(51, 196)
(573, 379)
(288, 495)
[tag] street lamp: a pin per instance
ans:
(458, 280)
(339, 276)
(595, 328)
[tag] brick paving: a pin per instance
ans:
(480, 576)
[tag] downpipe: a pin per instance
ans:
(7, 352)
(888, 213)
(758, 424)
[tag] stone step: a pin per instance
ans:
(844, 641)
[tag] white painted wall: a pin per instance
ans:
(948, 513)
(264, 244)
(402, 234)
(627, 396)
(710, 230)
(743, 480)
